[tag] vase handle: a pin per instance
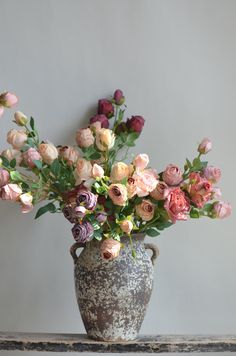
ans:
(155, 251)
(73, 250)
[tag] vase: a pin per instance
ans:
(113, 295)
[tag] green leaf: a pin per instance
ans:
(95, 155)
(163, 225)
(55, 167)
(131, 137)
(5, 161)
(15, 176)
(50, 207)
(152, 231)
(32, 124)
(38, 163)
(13, 163)
(30, 142)
(97, 235)
(194, 213)
(25, 148)
(189, 164)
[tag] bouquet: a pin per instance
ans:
(91, 184)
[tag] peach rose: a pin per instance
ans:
(11, 192)
(141, 161)
(205, 146)
(4, 177)
(97, 171)
(160, 192)
(172, 175)
(131, 187)
(84, 138)
(212, 173)
(11, 154)
(30, 156)
(20, 118)
(146, 181)
(177, 205)
(84, 169)
(119, 171)
(105, 139)
(145, 210)
(110, 249)
(126, 226)
(69, 154)
(16, 138)
(48, 152)
(118, 194)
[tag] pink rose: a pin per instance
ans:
(118, 194)
(216, 193)
(222, 210)
(26, 200)
(102, 119)
(84, 138)
(20, 118)
(141, 161)
(16, 138)
(172, 175)
(30, 156)
(146, 181)
(145, 210)
(160, 192)
(126, 226)
(135, 124)
(97, 171)
(8, 99)
(105, 107)
(4, 177)
(11, 154)
(48, 152)
(213, 174)
(69, 154)
(110, 249)
(119, 97)
(205, 146)
(177, 205)
(84, 169)
(199, 189)
(11, 192)
(1, 110)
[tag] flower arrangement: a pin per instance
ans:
(101, 195)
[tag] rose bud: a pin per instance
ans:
(8, 99)
(126, 226)
(119, 171)
(11, 192)
(145, 210)
(11, 154)
(221, 210)
(30, 156)
(48, 152)
(160, 192)
(20, 118)
(16, 138)
(69, 154)
(97, 171)
(100, 118)
(135, 124)
(84, 169)
(172, 175)
(110, 249)
(105, 139)
(86, 199)
(4, 177)
(101, 217)
(118, 194)
(82, 232)
(84, 138)
(131, 187)
(119, 97)
(213, 174)
(205, 146)
(177, 205)
(141, 161)
(26, 200)
(105, 107)
(1, 110)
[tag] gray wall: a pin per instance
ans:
(175, 61)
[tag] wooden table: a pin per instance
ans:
(145, 344)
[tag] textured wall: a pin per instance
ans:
(175, 61)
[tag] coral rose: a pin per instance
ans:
(145, 210)
(177, 205)
(48, 152)
(172, 175)
(105, 139)
(84, 138)
(118, 194)
(110, 249)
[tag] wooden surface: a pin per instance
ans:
(145, 344)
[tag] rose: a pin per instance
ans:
(102, 119)
(69, 154)
(86, 199)
(118, 194)
(205, 146)
(82, 232)
(20, 118)
(121, 128)
(177, 205)
(105, 107)
(105, 139)
(172, 175)
(131, 187)
(26, 208)
(221, 210)
(48, 152)
(119, 97)
(120, 171)
(95, 126)
(1, 110)
(135, 124)
(84, 169)
(146, 181)
(11, 192)
(145, 210)
(110, 249)
(97, 171)
(69, 213)
(4, 177)
(30, 156)
(199, 189)
(101, 217)
(212, 173)
(11, 154)
(8, 99)
(216, 193)
(84, 138)
(16, 138)
(26, 200)
(160, 192)
(126, 226)
(141, 161)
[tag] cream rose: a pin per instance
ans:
(84, 138)
(120, 171)
(48, 152)
(16, 138)
(105, 139)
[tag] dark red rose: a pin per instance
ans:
(135, 124)
(119, 97)
(105, 107)
(102, 119)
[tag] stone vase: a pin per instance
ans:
(113, 295)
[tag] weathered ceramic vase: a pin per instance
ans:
(113, 295)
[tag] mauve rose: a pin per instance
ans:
(119, 171)
(145, 210)
(87, 199)
(48, 152)
(135, 124)
(110, 249)
(118, 194)
(8, 99)
(11, 192)
(1, 110)
(69, 214)
(30, 156)
(20, 118)
(172, 175)
(82, 232)
(126, 226)
(177, 205)
(160, 192)
(146, 181)
(212, 173)
(100, 118)
(84, 138)
(97, 171)
(119, 97)
(205, 146)
(101, 217)
(141, 161)
(11, 154)
(221, 210)
(105, 107)
(16, 138)
(84, 169)
(105, 139)
(69, 154)
(4, 177)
